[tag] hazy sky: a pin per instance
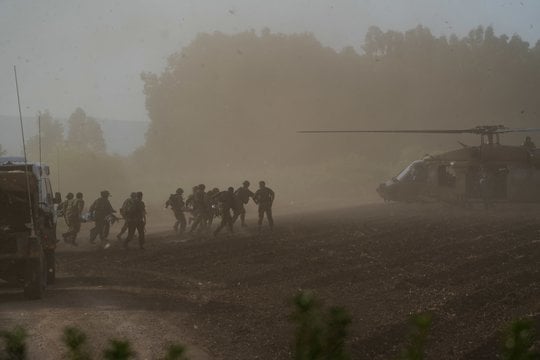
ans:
(90, 53)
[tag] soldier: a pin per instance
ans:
(226, 201)
(529, 144)
(136, 220)
(200, 209)
(125, 207)
(101, 209)
(242, 195)
(264, 197)
(74, 212)
(67, 210)
(213, 205)
(486, 190)
(189, 202)
(176, 202)
(79, 202)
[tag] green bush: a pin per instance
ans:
(519, 341)
(14, 344)
(75, 341)
(417, 339)
(320, 334)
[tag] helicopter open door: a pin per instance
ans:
(500, 183)
(496, 182)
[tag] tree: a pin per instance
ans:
(84, 133)
(52, 136)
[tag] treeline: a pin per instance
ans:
(77, 155)
(228, 106)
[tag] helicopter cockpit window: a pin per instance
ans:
(446, 176)
(415, 172)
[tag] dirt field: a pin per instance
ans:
(228, 297)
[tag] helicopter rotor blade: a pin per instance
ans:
(468, 131)
(479, 130)
(519, 130)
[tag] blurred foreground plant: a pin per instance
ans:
(417, 339)
(176, 352)
(119, 350)
(320, 334)
(14, 344)
(519, 342)
(75, 341)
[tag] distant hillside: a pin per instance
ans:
(122, 137)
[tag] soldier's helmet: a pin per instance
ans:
(179, 191)
(133, 195)
(69, 196)
(202, 186)
(105, 193)
(262, 183)
(79, 195)
(246, 183)
(230, 189)
(215, 190)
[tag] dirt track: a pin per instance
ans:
(227, 298)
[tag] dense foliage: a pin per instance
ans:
(229, 105)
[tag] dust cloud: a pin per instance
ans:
(228, 107)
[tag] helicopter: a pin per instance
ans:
(488, 172)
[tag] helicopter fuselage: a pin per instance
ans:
(494, 171)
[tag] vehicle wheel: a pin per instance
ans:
(35, 278)
(51, 266)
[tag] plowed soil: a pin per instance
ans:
(229, 297)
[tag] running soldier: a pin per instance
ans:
(213, 205)
(72, 219)
(125, 207)
(74, 214)
(101, 209)
(226, 201)
(242, 195)
(529, 144)
(79, 202)
(201, 211)
(136, 220)
(178, 206)
(264, 197)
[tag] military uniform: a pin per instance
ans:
(135, 219)
(177, 204)
(529, 144)
(72, 219)
(201, 211)
(101, 208)
(125, 206)
(264, 197)
(226, 201)
(242, 196)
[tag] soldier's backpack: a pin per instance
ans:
(130, 208)
(71, 210)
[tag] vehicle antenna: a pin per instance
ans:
(58, 168)
(40, 162)
(25, 157)
(39, 136)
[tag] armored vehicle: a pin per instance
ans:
(27, 225)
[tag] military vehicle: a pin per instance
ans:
(488, 172)
(27, 225)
